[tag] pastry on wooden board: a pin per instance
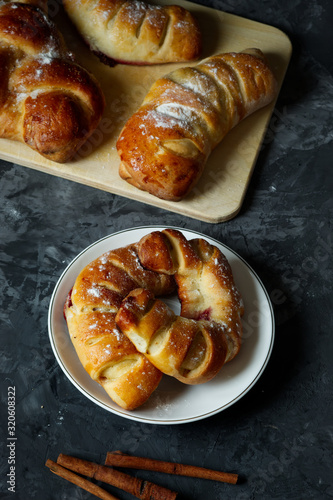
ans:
(47, 101)
(136, 32)
(165, 144)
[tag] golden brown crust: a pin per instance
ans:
(47, 101)
(125, 337)
(191, 351)
(104, 351)
(164, 146)
(194, 346)
(136, 32)
(205, 283)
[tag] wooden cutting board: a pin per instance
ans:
(221, 190)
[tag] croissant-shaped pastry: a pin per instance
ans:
(164, 146)
(104, 351)
(136, 32)
(47, 101)
(194, 346)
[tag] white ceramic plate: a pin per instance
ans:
(173, 402)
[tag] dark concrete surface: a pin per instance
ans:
(279, 437)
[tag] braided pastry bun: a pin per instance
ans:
(194, 346)
(136, 32)
(47, 101)
(164, 146)
(104, 351)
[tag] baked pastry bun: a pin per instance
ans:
(136, 32)
(194, 346)
(164, 146)
(125, 336)
(47, 101)
(109, 357)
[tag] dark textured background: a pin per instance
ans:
(279, 436)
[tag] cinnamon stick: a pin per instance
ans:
(79, 481)
(119, 459)
(144, 490)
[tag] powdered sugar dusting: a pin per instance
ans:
(135, 10)
(50, 51)
(199, 83)
(94, 291)
(177, 111)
